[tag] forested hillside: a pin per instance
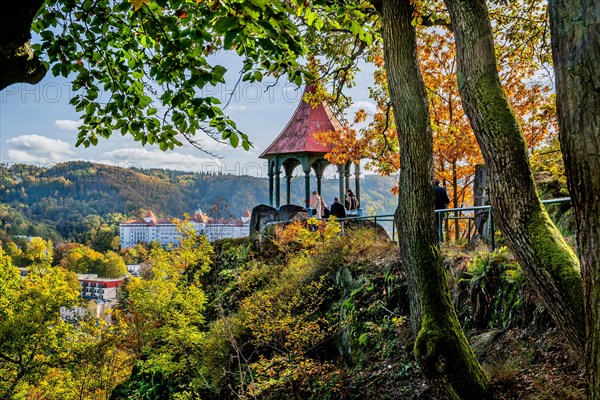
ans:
(68, 200)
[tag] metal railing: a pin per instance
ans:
(458, 215)
(375, 218)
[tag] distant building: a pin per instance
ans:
(100, 293)
(164, 231)
(148, 229)
(134, 269)
(94, 308)
(222, 228)
(95, 288)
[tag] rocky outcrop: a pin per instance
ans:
(292, 212)
(264, 214)
(261, 216)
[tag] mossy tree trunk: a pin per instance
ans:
(441, 347)
(17, 61)
(551, 267)
(575, 29)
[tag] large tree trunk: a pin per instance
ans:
(17, 61)
(551, 267)
(575, 29)
(441, 347)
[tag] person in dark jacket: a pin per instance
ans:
(441, 202)
(337, 209)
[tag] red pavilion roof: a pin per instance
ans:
(298, 135)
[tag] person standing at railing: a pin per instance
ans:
(337, 209)
(317, 204)
(441, 202)
(351, 203)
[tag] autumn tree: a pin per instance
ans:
(38, 253)
(84, 260)
(523, 53)
(165, 312)
(44, 356)
(551, 266)
(455, 150)
(441, 347)
(33, 337)
(103, 239)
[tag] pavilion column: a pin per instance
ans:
(347, 175)
(357, 181)
(270, 174)
(340, 169)
(270, 169)
(277, 184)
(319, 177)
(307, 187)
(288, 189)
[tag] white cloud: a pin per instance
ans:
(208, 143)
(38, 149)
(20, 156)
(236, 107)
(67, 124)
(369, 107)
(160, 159)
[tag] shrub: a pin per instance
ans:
(495, 284)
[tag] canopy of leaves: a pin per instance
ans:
(139, 67)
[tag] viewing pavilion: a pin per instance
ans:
(296, 145)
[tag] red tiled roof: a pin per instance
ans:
(152, 222)
(298, 135)
(104, 282)
(238, 222)
(247, 214)
(150, 214)
(201, 217)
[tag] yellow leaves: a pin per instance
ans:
(360, 116)
(347, 147)
(137, 4)
(284, 319)
(378, 60)
(310, 236)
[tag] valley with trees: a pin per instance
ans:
(313, 309)
(85, 202)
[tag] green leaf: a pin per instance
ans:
(234, 140)
(222, 25)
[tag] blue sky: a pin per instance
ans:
(38, 126)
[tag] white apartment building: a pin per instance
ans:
(100, 293)
(151, 229)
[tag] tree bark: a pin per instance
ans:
(441, 347)
(551, 267)
(481, 198)
(17, 61)
(575, 30)
(455, 201)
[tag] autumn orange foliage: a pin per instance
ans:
(523, 54)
